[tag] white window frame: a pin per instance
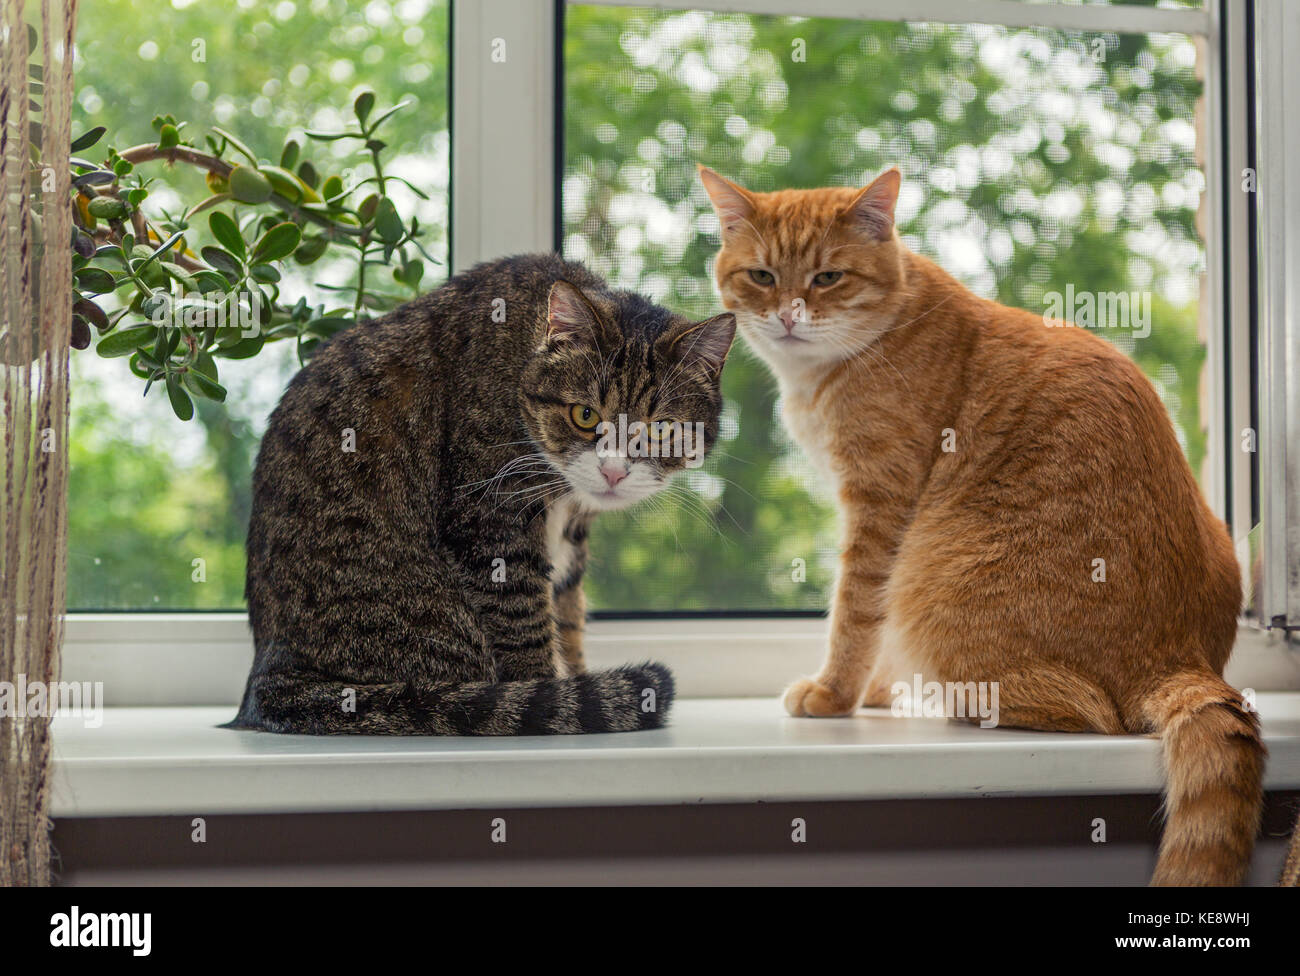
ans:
(1278, 102)
(505, 173)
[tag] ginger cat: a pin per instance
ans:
(983, 462)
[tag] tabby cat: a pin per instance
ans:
(422, 500)
(1016, 506)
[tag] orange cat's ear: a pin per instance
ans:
(569, 315)
(733, 204)
(873, 210)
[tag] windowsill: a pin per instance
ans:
(163, 761)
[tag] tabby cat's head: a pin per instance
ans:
(622, 394)
(812, 275)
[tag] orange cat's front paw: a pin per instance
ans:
(810, 697)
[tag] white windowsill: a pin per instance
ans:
(175, 761)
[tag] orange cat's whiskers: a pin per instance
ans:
(912, 321)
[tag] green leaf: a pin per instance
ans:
(203, 386)
(138, 368)
(111, 252)
(96, 177)
(96, 281)
(387, 223)
(168, 340)
(264, 273)
(106, 208)
(332, 136)
(180, 274)
(126, 341)
(181, 402)
(162, 248)
(411, 274)
(87, 139)
(206, 365)
(168, 137)
(362, 106)
(244, 349)
(327, 326)
(388, 114)
(278, 242)
(247, 185)
(332, 187)
(223, 261)
(307, 173)
(211, 281)
(312, 248)
(226, 231)
(236, 144)
(289, 157)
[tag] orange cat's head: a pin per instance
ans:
(812, 275)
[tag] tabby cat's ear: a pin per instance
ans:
(873, 209)
(704, 343)
(569, 315)
(733, 204)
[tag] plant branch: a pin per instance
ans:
(214, 164)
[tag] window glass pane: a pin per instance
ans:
(149, 494)
(1034, 161)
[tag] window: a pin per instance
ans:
(1038, 164)
(1044, 145)
(148, 493)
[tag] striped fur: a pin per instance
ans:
(419, 527)
(615, 700)
(1215, 769)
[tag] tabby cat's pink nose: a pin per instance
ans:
(613, 475)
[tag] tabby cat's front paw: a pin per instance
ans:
(810, 697)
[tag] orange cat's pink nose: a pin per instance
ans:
(787, 319)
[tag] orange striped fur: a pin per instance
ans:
(983, 463)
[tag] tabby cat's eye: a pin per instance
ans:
(824, 278)
(584, 418)
(762, 277)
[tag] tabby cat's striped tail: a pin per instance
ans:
(623, 699)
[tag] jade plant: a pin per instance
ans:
(146, 291)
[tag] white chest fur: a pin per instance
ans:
(811, 432)
(559, 550)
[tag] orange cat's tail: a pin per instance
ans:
(1215, 767)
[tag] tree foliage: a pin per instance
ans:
(1029, 163)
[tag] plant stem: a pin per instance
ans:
(186, 154)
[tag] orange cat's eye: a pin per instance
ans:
(762, 277)
(583, 417)
(824, 278)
